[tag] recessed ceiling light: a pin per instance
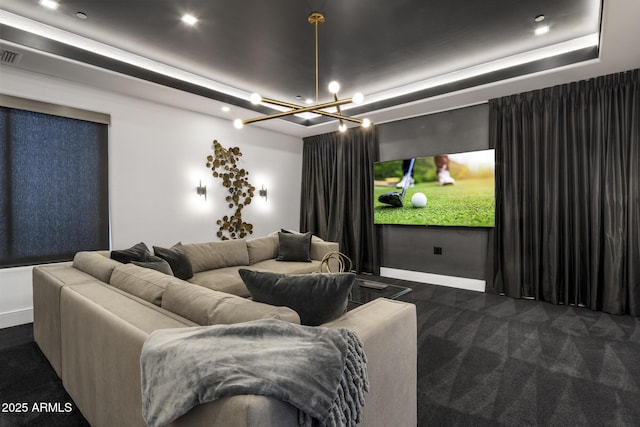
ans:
(539, 18)
(81, 15)
(52, 33)
(541, 30)
(49, 4)
(189, 19)
(226, 109)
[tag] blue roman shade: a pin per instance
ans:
(53, 187)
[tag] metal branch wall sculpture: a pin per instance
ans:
(224, 165)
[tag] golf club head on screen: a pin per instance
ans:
(394, 198)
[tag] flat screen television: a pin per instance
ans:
(456, 189)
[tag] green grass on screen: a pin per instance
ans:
(468, 202)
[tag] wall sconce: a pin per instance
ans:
(263, 193)
(202, 191)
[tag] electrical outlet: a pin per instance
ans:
(437, 250)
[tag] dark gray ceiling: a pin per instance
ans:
(369, 46)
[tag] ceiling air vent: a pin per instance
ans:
(9, 57)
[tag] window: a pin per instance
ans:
(53, 185)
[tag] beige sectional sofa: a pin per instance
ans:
(216, 264)
(92, 316)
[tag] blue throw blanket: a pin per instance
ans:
(320, 371)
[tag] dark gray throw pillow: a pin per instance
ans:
(155, 263)
(317, 298)
(294, 247)
(178, 261)
(134, 253)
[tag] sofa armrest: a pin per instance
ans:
(320, 249)
(103, 331)
(47, 282)
(388, 331)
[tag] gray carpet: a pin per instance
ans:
(483, 360)
(27, 378)
(486, 360)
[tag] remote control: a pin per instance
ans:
(372, 285)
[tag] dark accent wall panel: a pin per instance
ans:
(464, 250)
(465, 129)
(411, 248)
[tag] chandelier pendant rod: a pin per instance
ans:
(316, 18)
(317, 78)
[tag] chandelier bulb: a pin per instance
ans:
(238, 123)
(358, 98)
(342, 127)
(334, 87)
(366, 123)
(255, 98)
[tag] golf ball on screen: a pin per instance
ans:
(419, 200)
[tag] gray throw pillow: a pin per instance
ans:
(134, 253)
(155, 263)
(317, 298)
(294, 247)
(180, 264)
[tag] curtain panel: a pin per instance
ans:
(337, 192)
(568, 194)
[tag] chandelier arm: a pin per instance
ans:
(339, 116)
(297, 110)
(322, 112)
(281, 103)
(335, 97)
(301, 109)
(289, 113)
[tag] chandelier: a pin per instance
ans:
(315, 18)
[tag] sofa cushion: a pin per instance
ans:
(294, 247)
(142, 282)
(177, 259)
(262, 248)
(317, 298)
(224, 279)
(96, 264)
(155, 263)
(212, 255)
(285, 267)
(320, 249)
(134, 253)
(208, 307)
(162, 266)
(314, 238)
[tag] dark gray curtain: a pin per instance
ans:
(568, 194)
(337, 191)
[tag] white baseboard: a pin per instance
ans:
(15, 318)
(434, 279)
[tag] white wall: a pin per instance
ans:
(157, 156)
